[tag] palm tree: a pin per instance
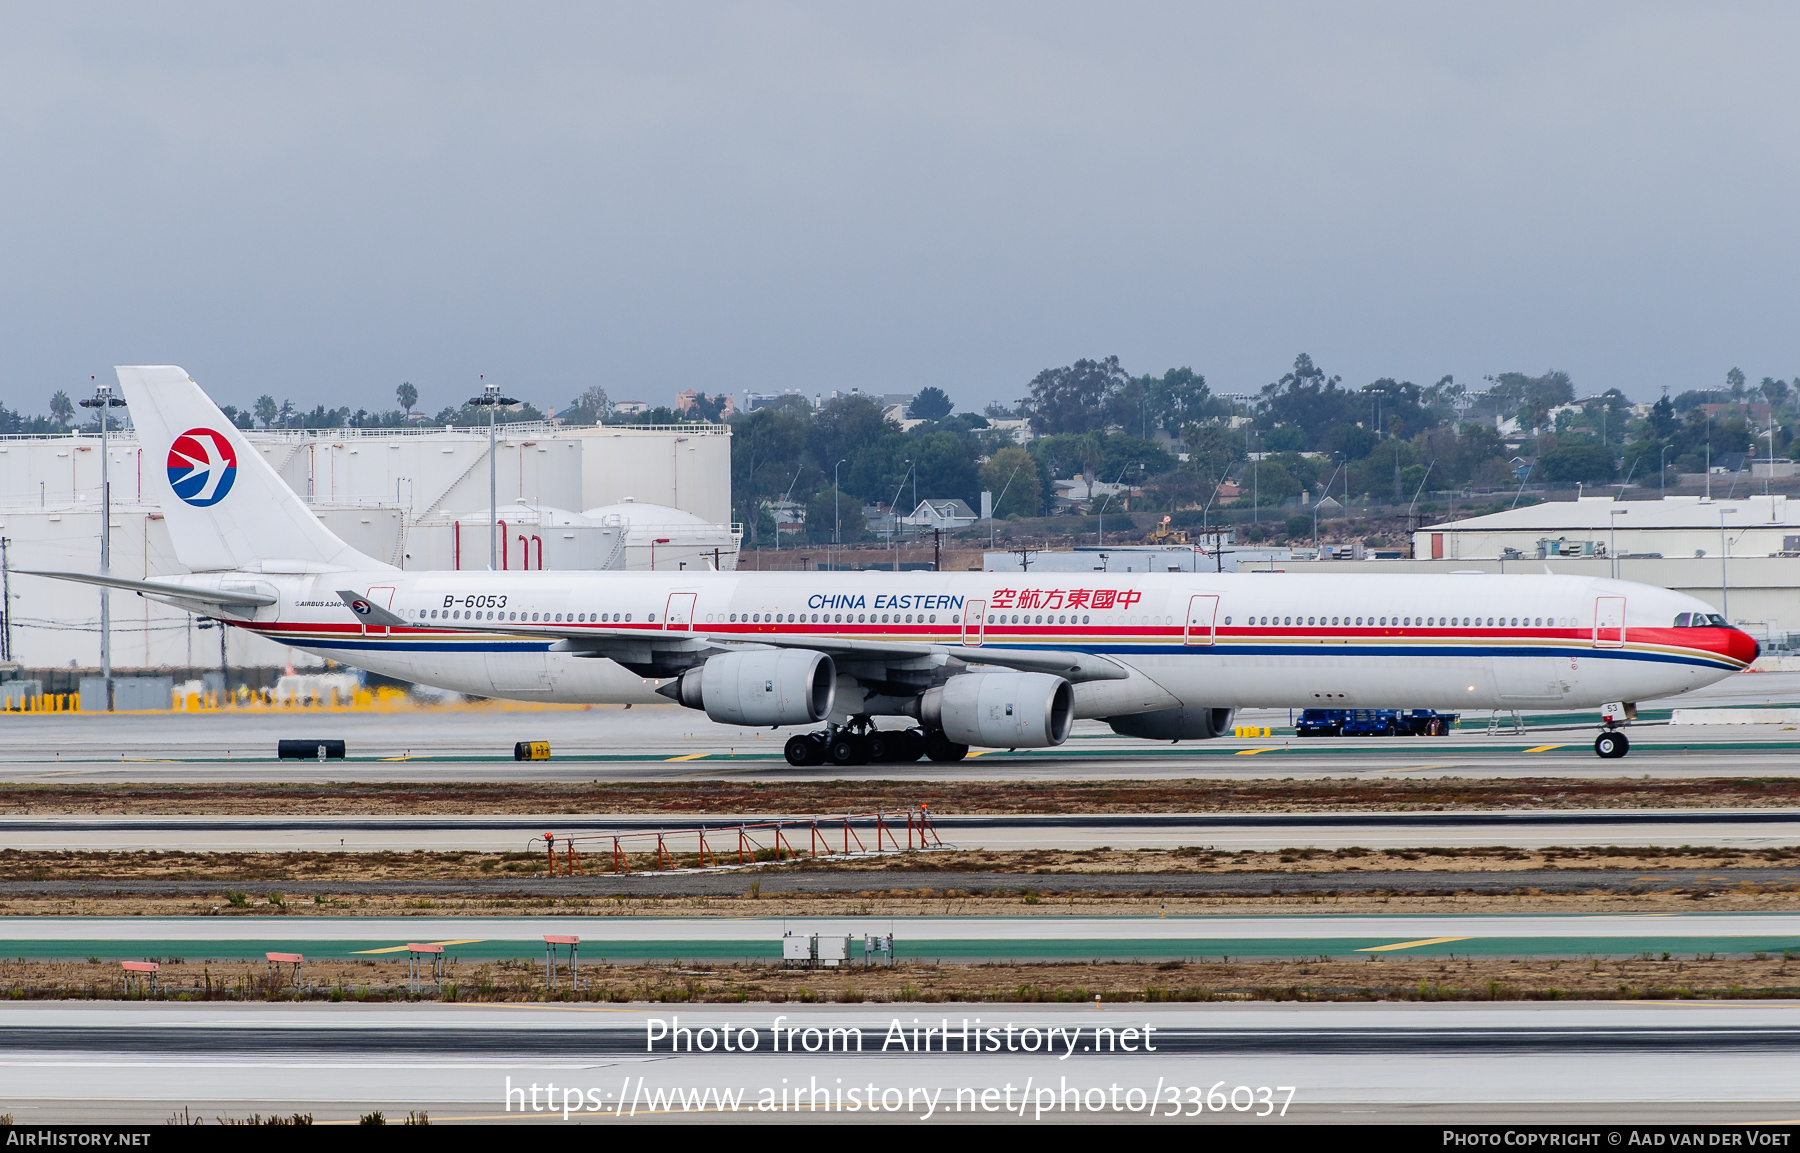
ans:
(408, 395)
(266, 410)
(62, 409)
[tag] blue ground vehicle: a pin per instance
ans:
(1374, 723)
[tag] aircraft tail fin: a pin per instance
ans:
(225, 505)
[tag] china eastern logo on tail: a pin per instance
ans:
(202, 466)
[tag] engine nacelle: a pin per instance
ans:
(761, 687)
(1177, 724)
(1001, 710)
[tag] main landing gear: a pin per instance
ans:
(1611, 745)
(864, 744)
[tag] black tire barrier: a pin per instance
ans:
(531, 751)
(309, 750)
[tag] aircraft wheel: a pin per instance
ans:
(912, 745)
(847, 749)
(884, 746)
(1611, 745)
(803, 750)
(941, 748)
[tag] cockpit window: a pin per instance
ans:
(1701, 621)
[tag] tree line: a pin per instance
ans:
(1305, 432)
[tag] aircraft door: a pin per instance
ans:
(680, 611)
(1609, 622)
(382, 595)
(974, 622)
(1202, 619)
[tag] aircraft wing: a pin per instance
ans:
(234, 598)
(1072, 665)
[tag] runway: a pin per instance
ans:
(1715, 1061)
(1736, 828)
(1669, 754)
(1044, 937)
(668, 743)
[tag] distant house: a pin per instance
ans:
(1020, 428)
(1520, 466)
(684, 402)
(1757, 413)
(631, 407)
(942, 514)
(1078, 489)
(881, 518)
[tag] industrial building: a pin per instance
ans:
(1675, 526)
(592, 497)
(1741, 555)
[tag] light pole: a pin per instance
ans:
(1327, 493)
(786, 498)
(1724, 577)
(491, 400)
(894, 514)
(1662, 466)
(1612, 537)
(1109, 496)
(837, 518)
(994, 508)
(102, 400)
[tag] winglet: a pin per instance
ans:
(369, 611)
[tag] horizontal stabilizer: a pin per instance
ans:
(369, 611)
(242, 598)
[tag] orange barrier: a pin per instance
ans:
(141, 972)
(753, 840)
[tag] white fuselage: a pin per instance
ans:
(1203, 640)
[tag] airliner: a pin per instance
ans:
(948, 661)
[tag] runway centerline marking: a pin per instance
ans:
(403, 948)
(1412, 944)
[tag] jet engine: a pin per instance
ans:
(1177, 724)
(761, 687)
(1001, 710)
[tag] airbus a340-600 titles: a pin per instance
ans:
(996, 660)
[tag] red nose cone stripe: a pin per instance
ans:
(1740, 645)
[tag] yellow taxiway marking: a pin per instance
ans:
(1251, 752)
(402, 948)
(690, 757)
(1544, 748)
(973, 753)
(1412, 944)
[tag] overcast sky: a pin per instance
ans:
(320, 201)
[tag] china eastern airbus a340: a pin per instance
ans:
(998, 660)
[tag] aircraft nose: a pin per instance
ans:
(1733, 644)
(1739, 645)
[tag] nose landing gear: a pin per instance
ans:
(1611, 744)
